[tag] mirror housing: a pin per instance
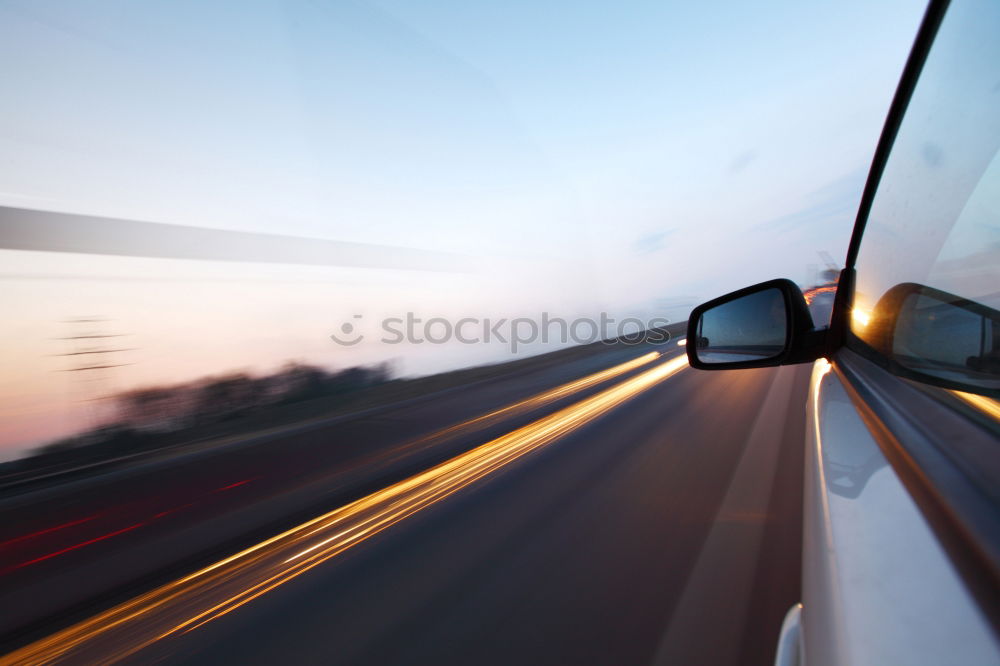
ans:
(760, 326)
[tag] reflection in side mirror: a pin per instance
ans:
(939, 336)
(750, 328)
(767, 324)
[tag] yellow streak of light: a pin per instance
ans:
(980, 402)
(216, 590)
(861, 317)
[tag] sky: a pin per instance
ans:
(575, 157)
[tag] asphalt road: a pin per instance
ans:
(665, 529)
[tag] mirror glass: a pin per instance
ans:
(948, 337)
(750, 328)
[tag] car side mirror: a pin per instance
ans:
(764, 325)
(937, 338)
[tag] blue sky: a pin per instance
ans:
(629, 157)
(531, 127)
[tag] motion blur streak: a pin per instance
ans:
(47, 530)
(207, 594)
(495, 416)
(50, 231)
(539, 400)
(77, 545)
(234, 485)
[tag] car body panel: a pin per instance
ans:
(878, 587)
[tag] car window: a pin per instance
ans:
(927, 295)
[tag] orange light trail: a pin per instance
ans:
(434, 438)
(210, 593)
(539, 400)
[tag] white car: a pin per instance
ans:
(901, 552)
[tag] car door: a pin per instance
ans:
(901, 539)
(902, 534)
